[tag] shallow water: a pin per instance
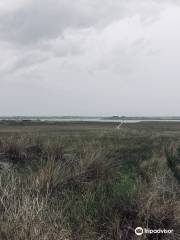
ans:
(87, 120)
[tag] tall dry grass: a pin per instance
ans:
(92, 193)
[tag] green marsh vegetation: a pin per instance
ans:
(73, 181)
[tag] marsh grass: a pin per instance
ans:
(87, 188)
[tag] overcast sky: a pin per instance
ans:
(90, 57)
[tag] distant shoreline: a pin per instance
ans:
(89, 119)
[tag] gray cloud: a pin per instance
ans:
(47, 19)
(30, 59)
(42, 20)
(86, 55)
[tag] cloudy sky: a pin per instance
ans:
(90, 57)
